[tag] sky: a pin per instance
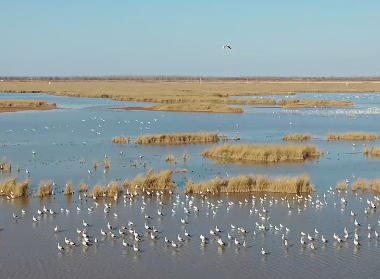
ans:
(182, 37)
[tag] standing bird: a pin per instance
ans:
(227, 46)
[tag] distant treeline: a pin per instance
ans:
(187, 78)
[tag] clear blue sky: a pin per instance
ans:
(182, 37)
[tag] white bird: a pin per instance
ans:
(34, 219)
(263, 251)
(60, 247)
(56, 228)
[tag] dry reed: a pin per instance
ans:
(82, 187)
(5, 167)
(262, 152)
(298, 137)
(366, 184)
(178, 138)
(185, 156)
(352, 136)
(107, 163)
(303, 103)
(24, 103)
(9, 186)
(252, 183)
(152, 181)
(171, 158)
(112, 189)
(195, 107)
(373, 151)
(121, 140)
(341, 185)
(45, 188)
(98, 191)
(95, 165)
(69, 188)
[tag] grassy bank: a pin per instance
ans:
(178, 138)
(352, 136)
(22, 105)
(252, 183)
(305, 103)
(297, 137)
(262, 152)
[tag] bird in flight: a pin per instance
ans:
(227, 46)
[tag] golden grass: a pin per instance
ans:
(82, 187)
(121, 140)
(195, 107)
(298, 137)
(98, 191)
(107, 163)
(252, 183)
(69, 188)
(5, 167)
(352, 136)
(112, 189)
(304, 103)
(178, 138)
(262, 152)
(366, 184)
(45, 188)
(95, 165)
(9, 186)
(341, 185)
(171, 158)
(373, 151)
(152, 181)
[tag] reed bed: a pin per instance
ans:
(341, 185)
(178, 138)
(24, 103)
(111, 190)
(82, 187)
(366, 185)
(373, 151)
(196, 107)
(107, 163)
(69, 188)
(261, 152)
(45, 188)
(121, 140)
(304, 103)
(297, 137)
(10, 185)
(152, 181)
(352, 136)
(252, 183)
(98, 191)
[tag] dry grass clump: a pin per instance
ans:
(69, 188)
(152, 181)
(262, 152)
(95, 165)
(45, 188)
(113, 189)
(341, 185)
(107, 163)
(185, 156)
(373, 151)
(121, 140)
(98, 191)
(299, 137)
(5, 167)
(178, 138)
(9, 186)
(82, 187)
(366, 185)
(196, 107)
(171, 159)
(252, 183)
(304, 103)
(180, 170)
(352, 136)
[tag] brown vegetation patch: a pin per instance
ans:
(298, 137)
(45, 188)
(373, 151)
(178, 138)
(341, 185)
(152, 181)
(306, 103)
(366, 184)
(22, 105)
(262, 152)
(196, 107)
(82, 187)
(252, 183)
(352, 136)
(9, 187)
(121, 140)
(69, 188)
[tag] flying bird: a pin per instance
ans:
(227, 46)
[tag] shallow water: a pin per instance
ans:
(61, 139)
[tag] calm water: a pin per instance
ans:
(82, 130)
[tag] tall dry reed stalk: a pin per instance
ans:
(82, 187)
(107, 163)
(69, 188)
